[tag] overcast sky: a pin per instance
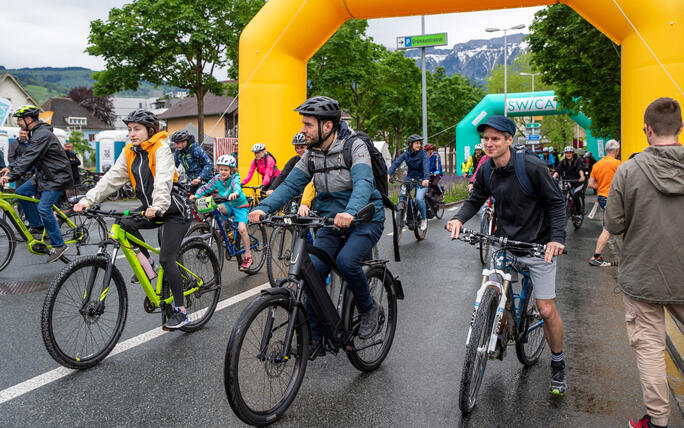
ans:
(48, 33)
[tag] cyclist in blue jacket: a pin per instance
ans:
(418, 168)
(436, 171)
(195, 161)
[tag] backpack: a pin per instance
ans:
(519, 153)
(377, 164)
(275, 163)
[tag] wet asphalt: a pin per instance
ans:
(176, 379)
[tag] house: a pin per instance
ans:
(70, 115)
(184, 112)
(11, 89)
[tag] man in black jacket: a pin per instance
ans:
(539, 218)
(53, 176)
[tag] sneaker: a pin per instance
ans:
(177, 320)
(644, 422)
(598, 261)
(36, 232)
(317, 349)
(558, 385)
(246, 263)
(423, 224)
(371, 321)
(57, 253)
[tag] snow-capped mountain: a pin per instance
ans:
(474, 59)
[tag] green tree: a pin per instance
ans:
(516, 82)
(180, 43)
(345, 69)
(559, 130)
(582, 64)
(81, 146)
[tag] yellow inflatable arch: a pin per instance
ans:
(285, 34)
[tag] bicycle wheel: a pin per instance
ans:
(258, 245)
(529, 349)
(259, 385)
(399, 221)
(7, 244)
(88, 231)
(485, 227)
(367, 355)
(199, 263)
(214, 241)
(439, 209)
(417, 231)
(476, 352)
(78, 330)
(278, 254)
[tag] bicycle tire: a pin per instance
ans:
(200, 259)
(439, 212)
(203, 230)
(258, 246)
(416, 224)
(374, 353)
(56, 339)
(7, 244)
(248, 332)
(94, 231)
(485, 245)
(475, 361)
(278, 254)
(528, 352)
(399, 221)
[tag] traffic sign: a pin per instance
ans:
(533, 125)
(421, 41)
(533, 137)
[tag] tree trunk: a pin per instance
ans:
(200, 117)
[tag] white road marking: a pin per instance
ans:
(58, 373)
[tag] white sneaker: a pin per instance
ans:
(423, 224)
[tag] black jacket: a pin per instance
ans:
(570, 169)
(519, 216)
(16, 150)
(2, 160)
(47, 154)
(283, 174)
(75, 162)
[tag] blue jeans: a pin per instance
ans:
(420, 199)
(42, 214)
(348, 255)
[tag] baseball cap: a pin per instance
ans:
(500, 123)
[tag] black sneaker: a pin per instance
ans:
(558, 383)
(57, 253)
(317, 349)
(371, 321)
(177, 320)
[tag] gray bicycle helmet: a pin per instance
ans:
(322, 108)
(143, 117)
(298, 139)
(413, 138)
(183, 135)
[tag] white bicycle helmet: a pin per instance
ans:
(258, 147)
(478, 146)
(569, 149)
(227, 160)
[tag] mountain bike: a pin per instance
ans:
(486, 228)
(85, 308)
(503, 314)
(222, 235)
(268, 350)
(256, 197)
(434, 203)
(576, 219)
(407, 212)
(77, 231)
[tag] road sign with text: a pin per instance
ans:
(533, 137)
(421, 41)
(533, 125)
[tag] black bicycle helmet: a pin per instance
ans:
(143, 117)
(27, 111)
(322, 108)
(413, 138)
(298, 139)
(180, 136)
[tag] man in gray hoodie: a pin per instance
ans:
(646, 203)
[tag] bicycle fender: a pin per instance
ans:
(397, 288)
(276, 291)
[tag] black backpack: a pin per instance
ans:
(377, 164)
(275, 162)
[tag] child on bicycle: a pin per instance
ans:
(227, 184)
(147, 163)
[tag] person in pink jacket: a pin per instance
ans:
(265, 165)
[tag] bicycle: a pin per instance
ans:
(577, 219)
(434, 203)
(268, 350)
(486, 228)
(407, 212)
(86, 305)
(500, 315)
(77, 231)
(257, 196)
(223, 236)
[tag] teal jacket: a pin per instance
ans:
(224, 189)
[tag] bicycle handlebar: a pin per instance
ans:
(406, 181)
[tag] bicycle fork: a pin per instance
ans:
(105, 286)
(491, 278)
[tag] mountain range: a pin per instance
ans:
(474, 59)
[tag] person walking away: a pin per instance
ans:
(601, 177)
(53, 177)
(645, 205)
(418, 168)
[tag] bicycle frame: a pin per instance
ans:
(216, 221)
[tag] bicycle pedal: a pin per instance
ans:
(166, 328)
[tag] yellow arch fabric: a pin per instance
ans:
(285, 34)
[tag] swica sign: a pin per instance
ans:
(531, 104)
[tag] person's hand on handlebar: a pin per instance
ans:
(268, 192)
(151, 212)
(454, 226)
(424, 183)
(303, 210)
(470, 187)
(255, 216)
(4, 171)
(79, 207)
(3, 180)
(553, 249)
(196, 181)
(343, 220)
(193, 198)
(232, 196)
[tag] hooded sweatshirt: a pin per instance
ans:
(646, 204)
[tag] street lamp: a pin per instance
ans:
(493, 30)
(530, 74)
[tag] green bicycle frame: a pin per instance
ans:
(19, 225)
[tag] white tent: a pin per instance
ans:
(383, 148)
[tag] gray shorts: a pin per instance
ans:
(543, 276)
